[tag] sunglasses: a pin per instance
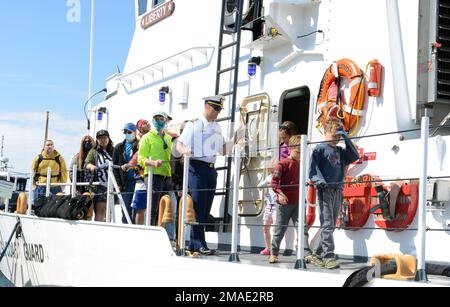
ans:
(285, 128)
(127, 132)
(216, 108)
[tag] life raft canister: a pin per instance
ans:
(349, 111)
(405, 208)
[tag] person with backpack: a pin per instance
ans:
(49, 158)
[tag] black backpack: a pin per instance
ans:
(64, 207)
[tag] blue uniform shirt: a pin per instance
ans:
(203, 138)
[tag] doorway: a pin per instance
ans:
(294, 107)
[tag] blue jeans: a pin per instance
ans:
(40, 192)
(171, 227)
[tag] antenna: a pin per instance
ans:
(3, 143)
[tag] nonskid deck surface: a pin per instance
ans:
(347, 266)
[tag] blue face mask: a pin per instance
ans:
(159, 125)
(129, 137)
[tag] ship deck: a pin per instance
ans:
(347, 266)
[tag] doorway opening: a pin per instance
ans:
(294, 107)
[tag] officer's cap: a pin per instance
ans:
(217, 100)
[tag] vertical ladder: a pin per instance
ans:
(236, 30)
(232, 94)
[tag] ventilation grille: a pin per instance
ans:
(443, 55)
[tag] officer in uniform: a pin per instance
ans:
(202, 139)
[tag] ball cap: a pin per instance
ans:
(102, 133)
(217, 100)
(129, 127)
(167, 116)
(160, 113)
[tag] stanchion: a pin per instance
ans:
(182, 239)
(148, 212)
(421, 275)
(300, 263)
(49, 180)
(234, 257)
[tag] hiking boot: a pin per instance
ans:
(308, 258)
(265, 252)
(273, 259)
(330, 263)
(316, 260)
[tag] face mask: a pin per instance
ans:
(129, 137)
(159, 124)
(87, 146)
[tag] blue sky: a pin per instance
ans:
(44, 62)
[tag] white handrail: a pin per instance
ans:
(300, 264)
(235, 215)
(422, 228)
(49, 178)
(181, 239)
(74, 180)
(163, 60)
(148, 218)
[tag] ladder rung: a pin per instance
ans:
(226, 70)
(222, 168)
(223, 119)
(229, 31)
(220, 193)
(227, 93)
(228, 45)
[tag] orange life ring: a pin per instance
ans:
(349, 111)
(358, 199)
(311, 203)
(405, 208)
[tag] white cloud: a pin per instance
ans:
(24, 136)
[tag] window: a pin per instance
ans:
(158, 2)
(142, 7)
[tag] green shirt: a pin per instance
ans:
(152, 145)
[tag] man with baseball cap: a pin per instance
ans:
(156, 145)
(123, 152)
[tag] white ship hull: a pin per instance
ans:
(48, 254)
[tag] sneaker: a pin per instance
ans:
(288, 252)
(273, 259)
(316, 260)
(206, 251)
(308, 258)
(265, 252)
(330, 263)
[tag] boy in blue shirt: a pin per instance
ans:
(327, 170)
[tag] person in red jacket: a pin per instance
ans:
(285, 183)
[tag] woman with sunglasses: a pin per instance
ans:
(156, 145)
